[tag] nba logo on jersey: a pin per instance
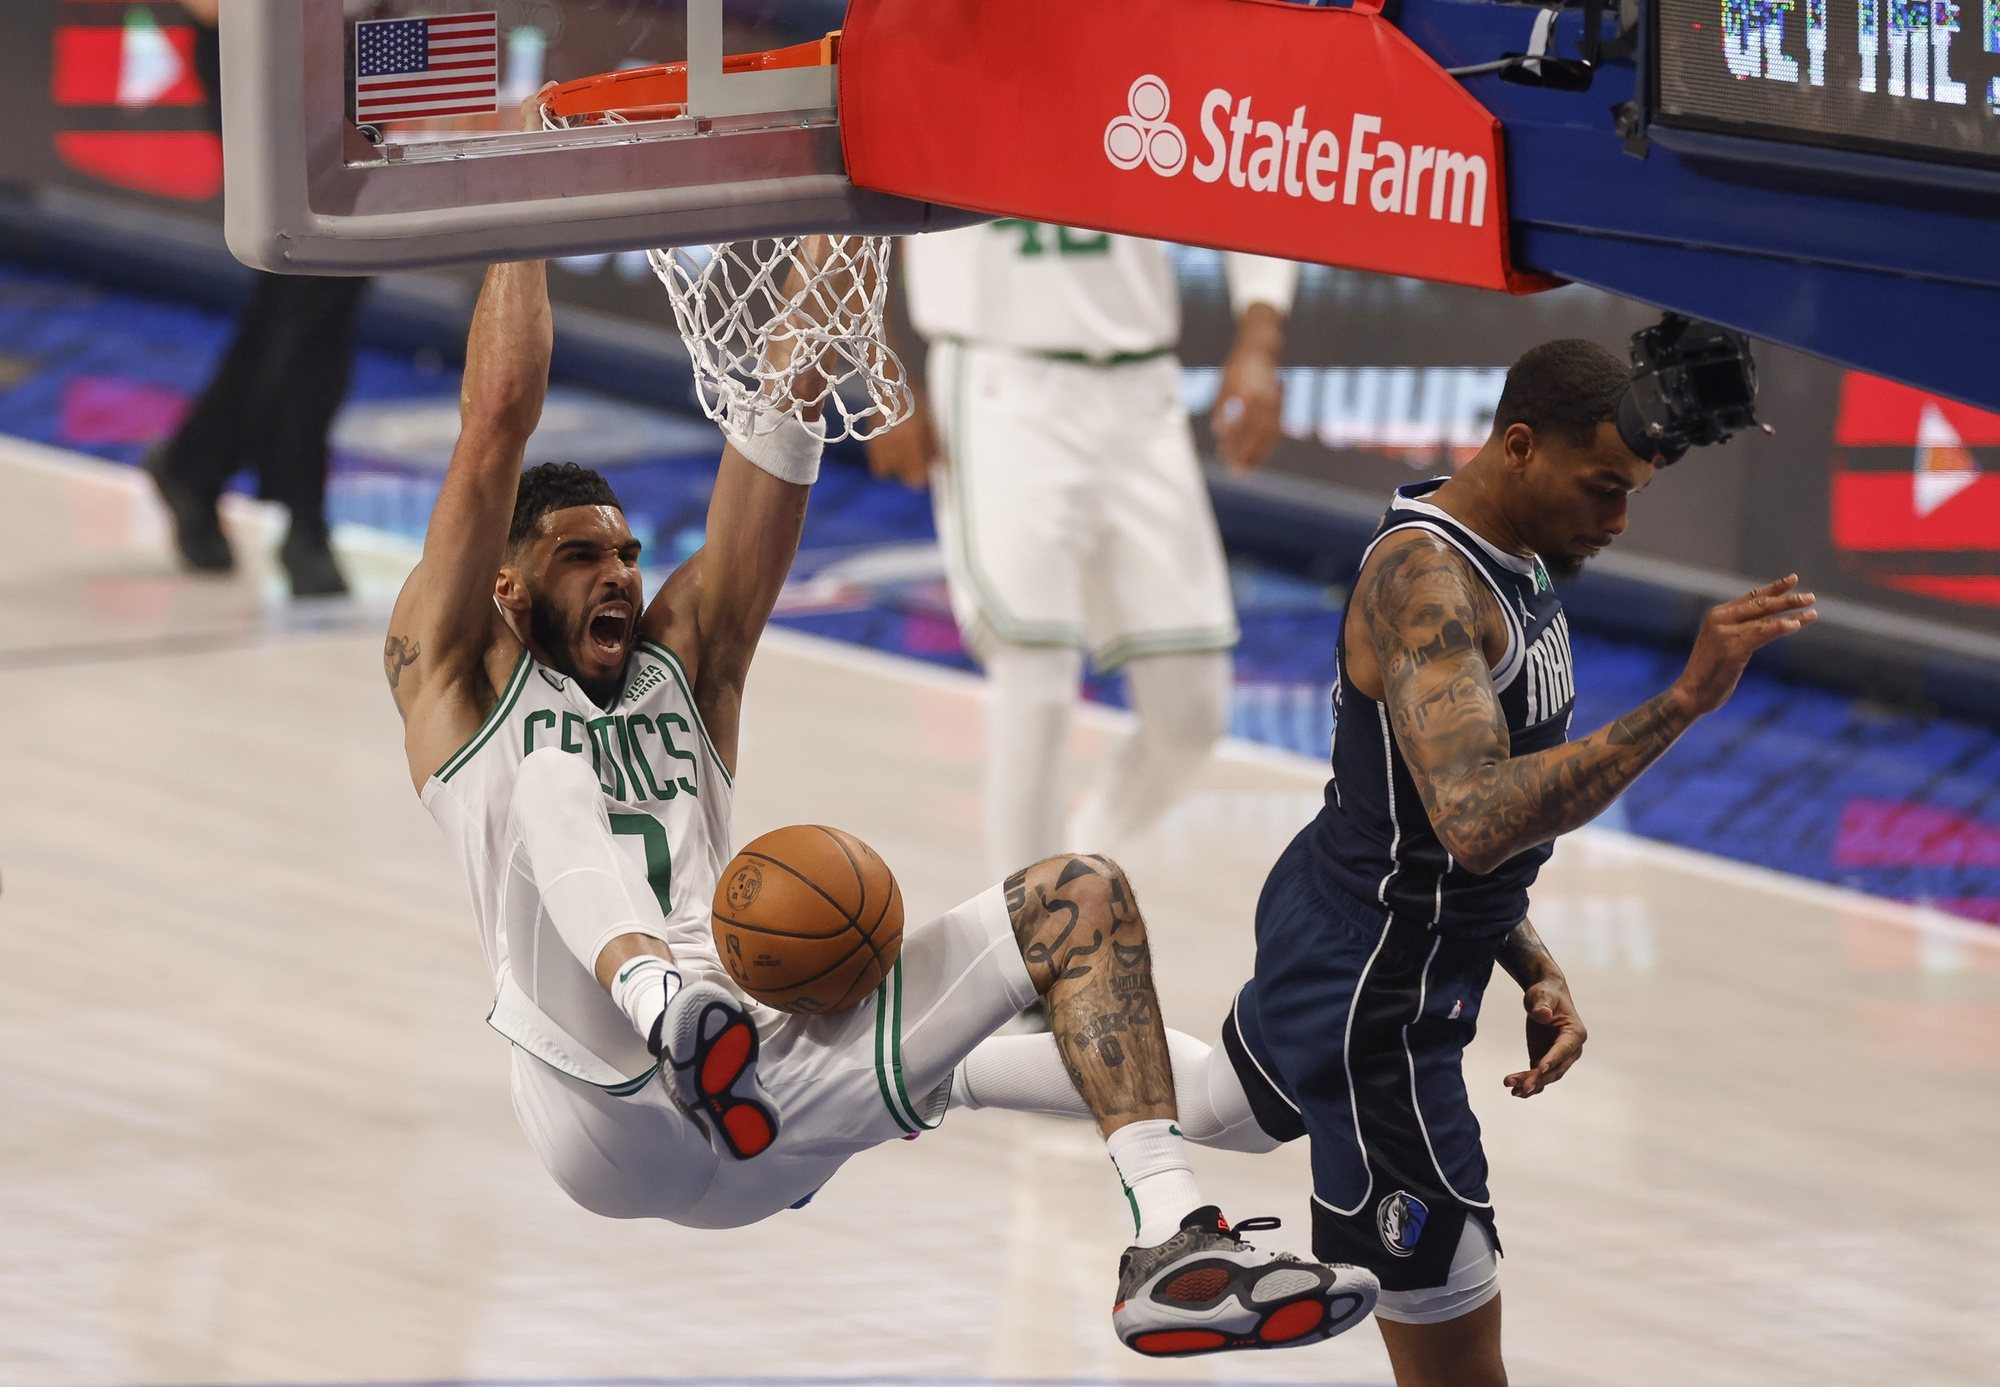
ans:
(1400, 1220)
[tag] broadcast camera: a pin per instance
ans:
(1692, 383)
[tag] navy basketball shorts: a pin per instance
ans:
(1351, 1032)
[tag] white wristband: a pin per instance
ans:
(787, 447)
(1260, 279)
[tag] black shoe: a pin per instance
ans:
(197, 525)
(309, 560)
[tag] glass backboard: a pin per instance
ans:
(367, 135)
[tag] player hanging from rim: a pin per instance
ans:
(562, 730)
(1378, 928)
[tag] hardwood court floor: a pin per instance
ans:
(253, 1130)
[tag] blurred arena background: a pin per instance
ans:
(117, 291)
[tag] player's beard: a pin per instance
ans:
(1563, 567)
(559, 635)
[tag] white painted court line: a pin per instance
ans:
(1309, 772)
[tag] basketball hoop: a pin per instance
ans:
(778, 326)
(660, 92)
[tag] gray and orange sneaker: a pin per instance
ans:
(1205, 1290)
(707, 1046)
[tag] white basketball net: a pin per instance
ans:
(789, 326)
(784, 326)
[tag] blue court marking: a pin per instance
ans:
(1790, 776)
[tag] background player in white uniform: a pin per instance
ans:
(575, 743)
(1070, 502)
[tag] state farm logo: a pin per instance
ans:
(1299, 160)
(1143, 135)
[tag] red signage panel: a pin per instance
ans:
(1877, 413)
(1257, 125)
(1885, 510)
(131, 104)
(181, 164)
(92, 67)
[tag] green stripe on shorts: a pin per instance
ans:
(889, 1055)
(881, 1068)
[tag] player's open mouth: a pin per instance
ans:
(610, 629)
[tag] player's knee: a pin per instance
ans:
(1062, 905)
(1190, 728)
(1036, 683)
(554, 779)
(1185, 705)
(1450, 1333)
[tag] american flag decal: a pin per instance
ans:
(407, 69)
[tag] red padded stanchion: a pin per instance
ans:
(1313, 134)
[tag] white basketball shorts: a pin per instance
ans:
(841, 1083)
(1071, 509)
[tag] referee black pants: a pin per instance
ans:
(269, 407)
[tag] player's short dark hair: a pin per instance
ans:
(555, 486)
(1568, 386)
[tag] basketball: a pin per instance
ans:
(808, 919)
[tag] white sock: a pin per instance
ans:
(642, 988)
(1152, 1163)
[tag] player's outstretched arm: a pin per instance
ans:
(713, 610)
(443, 619)
(1419, 611)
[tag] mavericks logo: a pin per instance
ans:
(1297, 160)
(1400, 1220)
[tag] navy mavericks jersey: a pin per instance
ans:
(1373, 837)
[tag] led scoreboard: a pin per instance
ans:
(1912, 78)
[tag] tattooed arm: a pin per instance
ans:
(444, 638)
(1420, 615)
(1526, 958)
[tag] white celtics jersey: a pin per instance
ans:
(1042, 288)
(667, 796)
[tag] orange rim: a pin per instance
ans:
(660, 92)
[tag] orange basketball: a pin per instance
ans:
(808, 919)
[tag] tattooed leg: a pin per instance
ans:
(1188, 1283)
(1084, 942)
